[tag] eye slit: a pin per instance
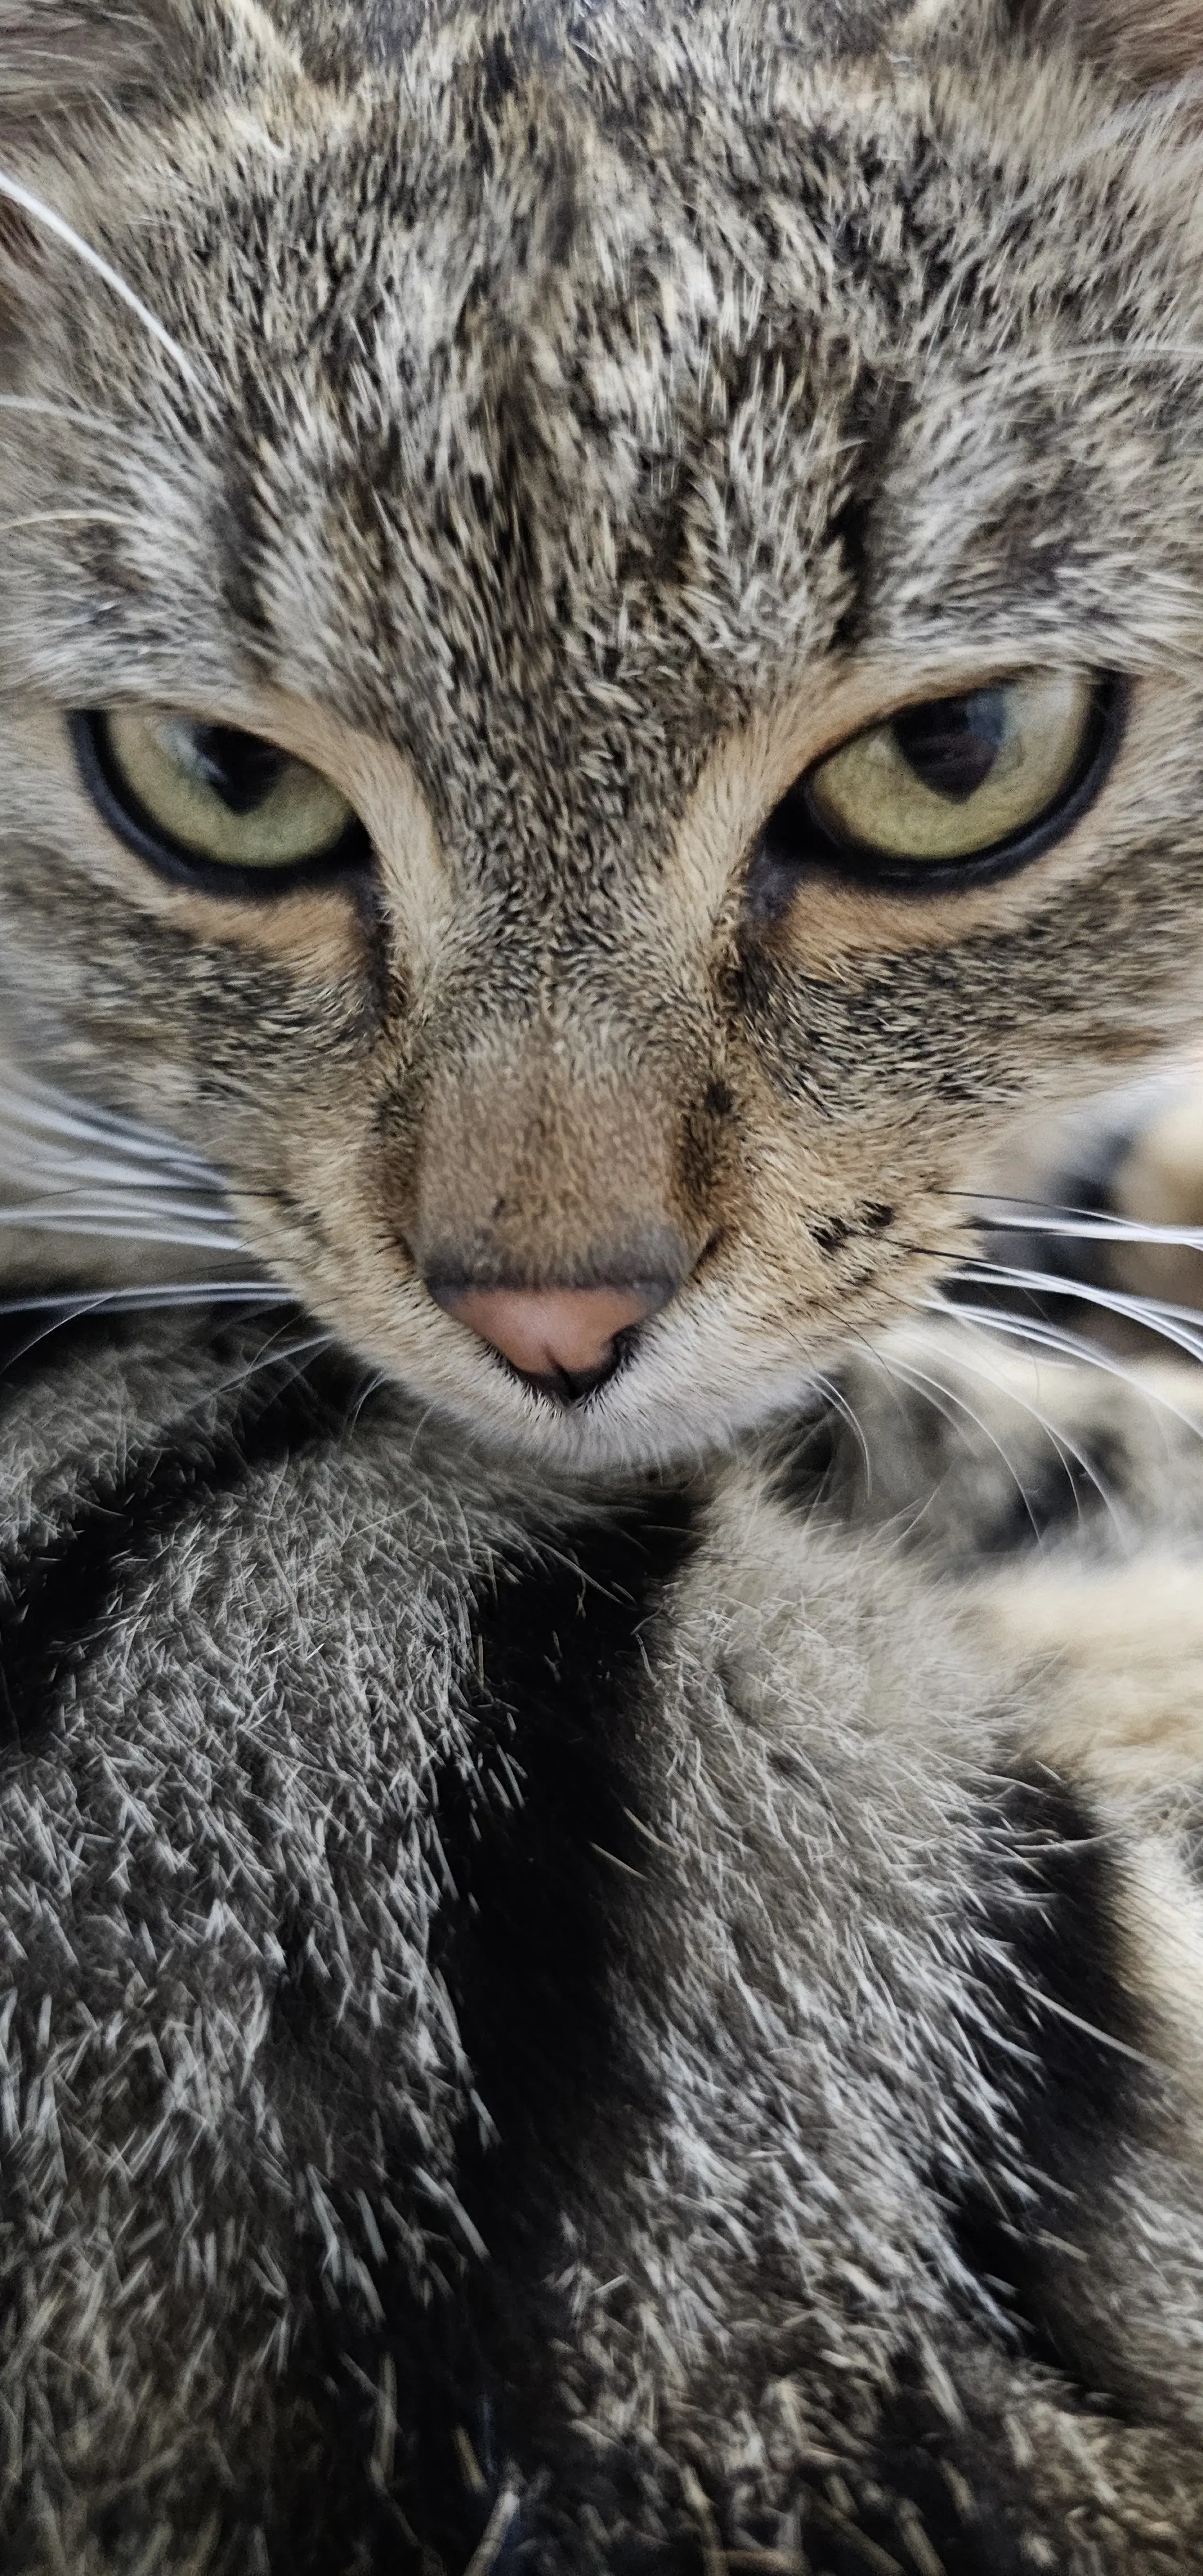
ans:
(240, 768)
(213, 805)
(949, 791)
(953, 743)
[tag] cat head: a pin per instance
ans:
(600, 637)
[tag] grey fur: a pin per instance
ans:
(237, 2100)
(554, 490)
(583, 1997)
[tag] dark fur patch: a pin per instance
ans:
(1067, 2028)
(810, 1464)
(952, 2485)
(1064, 2022)
(539, 1844)
(875, 416)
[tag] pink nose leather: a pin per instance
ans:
(544, 1331)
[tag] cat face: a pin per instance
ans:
(600, 646)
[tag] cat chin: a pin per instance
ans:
(629, 1427)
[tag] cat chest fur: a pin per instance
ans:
(537, 2047)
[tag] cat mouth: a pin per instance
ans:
(565, 1387)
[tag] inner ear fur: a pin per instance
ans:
(1143, 41)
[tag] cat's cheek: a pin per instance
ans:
(830, 928)
(1037, 986)
(318, 936)
(837, 1221)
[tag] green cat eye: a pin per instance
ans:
(949, 790)
(213, 805)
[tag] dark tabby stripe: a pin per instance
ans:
(1058, 2006)
(526, 1948)
(974, 2522)
(1067, 2025)
(538, 1841)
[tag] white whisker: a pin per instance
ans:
(40, 213)
(114, 1231)
(1012, 1216)
(128, 1194)
(69, 412)
(69, 1307)
(370, 1387)
(57, 518)
(120, 1197)
(1058, 1342)
(1066, 1449)
(836, 1396)
(1180, 1325)
(77, 1170)
(272, 1354)
(38, 1106)
(926, 1383)
(72, 1303)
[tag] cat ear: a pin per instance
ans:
(1143, 41)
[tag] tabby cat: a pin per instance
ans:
(600, 637)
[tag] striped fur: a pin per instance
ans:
(604, 1991)
(585, 2023)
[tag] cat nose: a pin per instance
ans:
(568, 1340)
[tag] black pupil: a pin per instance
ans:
(953, 743)
(239, 767)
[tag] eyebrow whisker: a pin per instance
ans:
(55, 224)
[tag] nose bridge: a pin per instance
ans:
(568, 886)
(547, 1161)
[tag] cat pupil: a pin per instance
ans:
(239, 767)
(953, 743)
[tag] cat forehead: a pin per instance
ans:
(627, 378)
(676, 359)
(1141, 42)
(353, 34)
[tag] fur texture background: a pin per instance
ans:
(595, 1989)
(574, 2034)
